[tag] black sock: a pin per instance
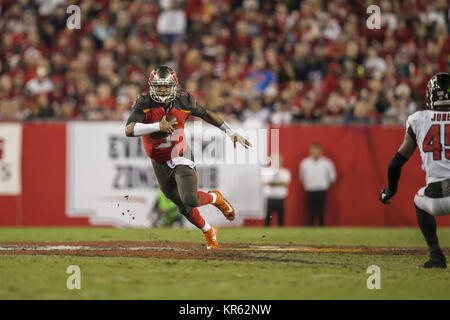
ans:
(427, 224)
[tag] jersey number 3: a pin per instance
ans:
(432, 141)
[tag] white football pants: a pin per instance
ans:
(435, 207)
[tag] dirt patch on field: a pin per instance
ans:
(185, 250)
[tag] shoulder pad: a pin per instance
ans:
(141, 101)
(419, 115)
(182, 93)
(185, 100)
(416, 119)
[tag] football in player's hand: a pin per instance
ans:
(161, 135)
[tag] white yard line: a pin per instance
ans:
(81, 248)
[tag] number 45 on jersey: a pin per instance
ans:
(432, 142)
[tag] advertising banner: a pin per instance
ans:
(110, 179)
(10, 159)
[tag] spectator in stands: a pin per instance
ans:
(225, 46)
(255, 115)
(42, 109)
(261, 76)
(361, 113)
(300, 60)
(317, 173)
(334, 109)
(6, 86)
(401, 105)
(11, 110)
(91, 110)
(122, 108)
(103, 29)
(282, 115)
(105, 99)
(41, 83)
(172, 22)
(374, 64)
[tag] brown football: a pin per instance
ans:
(161, 135)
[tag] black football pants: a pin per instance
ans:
(178, 184)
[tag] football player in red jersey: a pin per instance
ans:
(159, 117)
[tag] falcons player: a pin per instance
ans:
(429, 130)
(159, 117)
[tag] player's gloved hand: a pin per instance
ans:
(235, 137)
(167, 126)
(238, 138)
(385, 195)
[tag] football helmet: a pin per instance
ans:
(163, 83)
(438, 91)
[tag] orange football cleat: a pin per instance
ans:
(224, 205)
(211, 238)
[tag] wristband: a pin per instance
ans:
(227, 129)
(142, 129)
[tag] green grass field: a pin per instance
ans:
(286, 275)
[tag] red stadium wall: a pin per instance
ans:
(361, 156)
(42, 202)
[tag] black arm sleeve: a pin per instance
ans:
(199, 111)
(136, 116)
(196, 109)
(412, 135)
(394, 171)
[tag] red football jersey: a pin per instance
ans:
(145, 110)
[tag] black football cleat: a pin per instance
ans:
(442, 263)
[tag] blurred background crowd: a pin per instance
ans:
(278, 62)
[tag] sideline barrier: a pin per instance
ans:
(361, 156)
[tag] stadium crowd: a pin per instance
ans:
(254, 61)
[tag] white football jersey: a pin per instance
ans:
(432, 131)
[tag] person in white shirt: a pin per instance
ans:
(172, 23)
(317, 173)
(275, 181)
(41, 83)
